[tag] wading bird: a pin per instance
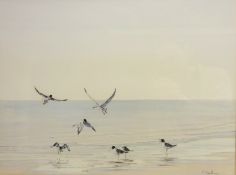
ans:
(167, 145)
(118, 151)
(81, 125)
(61, 147)
(126, 149)
(47, 98)
(102, 107)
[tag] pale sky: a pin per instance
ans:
(147, 49)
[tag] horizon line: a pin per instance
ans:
(130, 100)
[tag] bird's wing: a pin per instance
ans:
(93, 128)
(109, 99)
(59, 99)
(68, 148)
(40, 93)
(169, 145)
(125, 148)
(87, 124)
(90, 97)
(56, 144)
(80, 128)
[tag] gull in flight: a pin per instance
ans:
(61, 147)
(47, 98)
(81, 125)
(102, 106)
(167, 145)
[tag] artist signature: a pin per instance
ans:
(208, 172)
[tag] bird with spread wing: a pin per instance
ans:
(61, 147)
(102, 107)
(81, 125)
(47, 98)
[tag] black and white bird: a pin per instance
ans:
(61, 147)
(47, 98)
(118, 151)
(126, 149)
(102, 107)
(167, 145)
(81, 125)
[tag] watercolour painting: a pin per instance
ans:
(117, 87)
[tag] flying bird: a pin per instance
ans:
(47, 98)
(102, 107)
(81, 125)
(61, 147)
(118, 151)
(167, 145)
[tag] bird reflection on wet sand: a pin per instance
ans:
(122, 163)
(59, 163)
(167, 161)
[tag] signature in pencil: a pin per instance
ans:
(208, 172)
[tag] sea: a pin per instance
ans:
(204, 131)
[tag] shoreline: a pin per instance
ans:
(214, 168)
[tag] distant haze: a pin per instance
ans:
(147, 49)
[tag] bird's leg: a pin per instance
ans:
(58, 159)
(166, 151)
(59, 151)
(125, 156)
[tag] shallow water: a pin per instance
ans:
(204, 131)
